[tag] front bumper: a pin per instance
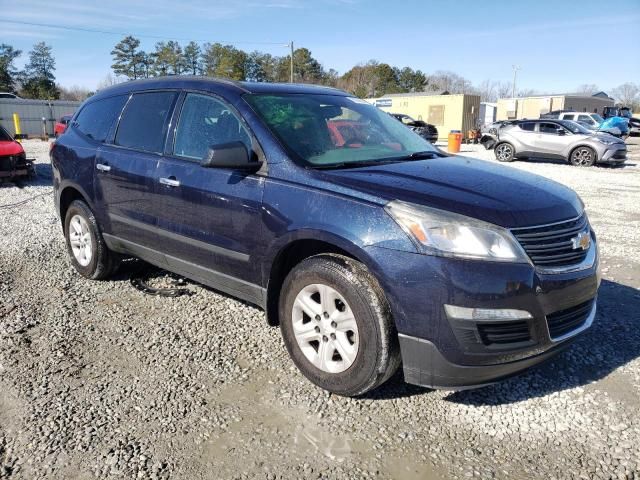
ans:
(425, 365)
(614, 154)
(13, 166)
(443, 353)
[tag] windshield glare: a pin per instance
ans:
(327, 130)
(575, 127)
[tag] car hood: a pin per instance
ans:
(416, 123)
(484, 190)
(10, 148)
(607, 135)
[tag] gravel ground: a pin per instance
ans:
(100, 380)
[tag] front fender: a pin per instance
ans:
(296, 212)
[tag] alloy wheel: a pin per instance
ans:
(503, 152)
(325, 328)
(582, 156)
(80, 240)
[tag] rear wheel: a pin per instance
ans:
(583, 157)
(337, 325)
(86, 247)
(505, 152)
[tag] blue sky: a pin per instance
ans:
(558, 44)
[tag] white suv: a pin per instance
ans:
(591, 119)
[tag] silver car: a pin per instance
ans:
(558, 139)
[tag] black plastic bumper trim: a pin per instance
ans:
(424, 365)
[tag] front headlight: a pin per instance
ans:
(606, 141)
(438, 232)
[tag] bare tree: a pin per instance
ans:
(587, 89)
(526, 92)
(626, 94)
(74, 92)
(504, 89)
(488, 91)
(108, 80)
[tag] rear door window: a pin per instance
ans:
(96, 118)
(144, 122)
(528, 126)
(205, 122)
(568, 117)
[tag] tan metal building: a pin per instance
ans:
(446, 112)
(534, 106)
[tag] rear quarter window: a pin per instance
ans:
(143, 125)
(96, 118)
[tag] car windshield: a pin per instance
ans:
(574, 127)
(5, 136)
(405, 119)
(325, 131)
(597, 117)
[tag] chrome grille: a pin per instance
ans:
(552, 245)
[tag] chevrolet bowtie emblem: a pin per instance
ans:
(582, 241)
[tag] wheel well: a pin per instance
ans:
(595, 153)
(284, 262)
(67, 196)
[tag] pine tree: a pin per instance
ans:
(191, 56)
(40, 82)
(8, 72)
(126, 58)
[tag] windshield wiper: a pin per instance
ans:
(381, 161)
(355, 164)
(424, 154)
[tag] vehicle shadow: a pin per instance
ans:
(43, 178)
(136, 271)
(612, 342)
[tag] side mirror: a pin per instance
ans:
(229, 155)
(561, 131)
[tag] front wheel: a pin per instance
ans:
(337, 325)
(505, 152)
(583, 157)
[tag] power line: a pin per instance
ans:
(108, 32)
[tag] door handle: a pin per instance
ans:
(170, 182)
(102, 167)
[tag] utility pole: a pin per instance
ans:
(515, 71)
(291, 45)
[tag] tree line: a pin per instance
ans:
(370, 79)
(36, 80)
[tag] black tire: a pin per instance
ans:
(103, 262)
(378, 355)
(505, 152)
(582, 157)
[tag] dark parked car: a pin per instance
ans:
(425, 130)
(365, 254)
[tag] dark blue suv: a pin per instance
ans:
(368, 246)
